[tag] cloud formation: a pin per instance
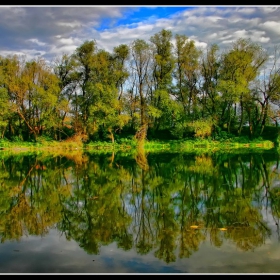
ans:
(50, 31)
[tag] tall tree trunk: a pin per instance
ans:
(241, 117)
(264, 117)
(111, 135)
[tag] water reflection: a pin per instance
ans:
(168, 204)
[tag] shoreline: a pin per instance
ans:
(132, 146)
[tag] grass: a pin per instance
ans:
(206, 145)
(130, 146)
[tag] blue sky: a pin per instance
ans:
(50, 31)
(132, 16)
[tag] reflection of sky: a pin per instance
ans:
(54, 254)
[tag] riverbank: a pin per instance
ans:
(127, 145)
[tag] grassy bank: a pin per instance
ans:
(127, 145)
(207, 145)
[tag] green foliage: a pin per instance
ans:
(202, 128)
(221, 135)
(177, 91)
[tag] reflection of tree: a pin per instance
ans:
(169, 202)
(247, 237)
(140, 157)
(144, 237)
(32, 202)
(167, 228)
(235, 210)
(274, 194)
(95, 212)
(189, 215)
(166, 225)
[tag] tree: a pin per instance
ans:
(84, 56)
(239, 67)
(141, 62)
(209, 71)
(65, 68)
(163, 65)
(186, 73)
(266, 92)
(120, 56)
(5, 106)
(33, 91)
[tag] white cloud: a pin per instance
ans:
(69, 41)
(263, 39)
(199, 44)
(65, 49)
(246, 10)
(36, 41)
(64, 28)
(214, 18)
(272, 26)
(213, 36)
(73, 24)
(29, 54)
(270, 9)
(241, 33)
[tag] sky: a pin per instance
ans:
(50, 31)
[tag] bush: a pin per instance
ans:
(202, 128)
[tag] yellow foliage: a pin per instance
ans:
(194, 227)
(203, 164)
(202, 128)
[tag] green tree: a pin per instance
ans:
(266, 93)
(239, 67)
(209, 71)
(5, 110)
(84, 56)
(33, 92)
(65, 68)
(163, 65)
(186, 73)
(141, 63)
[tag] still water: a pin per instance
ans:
(153, 213)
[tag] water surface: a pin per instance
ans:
(153, 213)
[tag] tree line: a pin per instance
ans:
(143, 89)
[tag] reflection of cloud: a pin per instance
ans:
(54, 254)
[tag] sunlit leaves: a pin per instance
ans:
(202, 128)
